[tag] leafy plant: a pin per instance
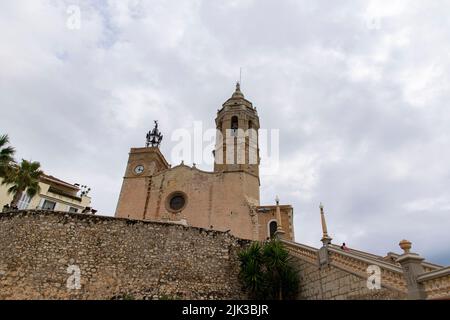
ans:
(267, 271)
(23, 178)
(6, 155)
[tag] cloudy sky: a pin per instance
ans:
(359, 90)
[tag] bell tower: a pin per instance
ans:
(237, 147)
(143, 164)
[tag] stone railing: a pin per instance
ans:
(430, 267)
(391, 275)
(302, 251)
(436, 283)
(357, 252)
(409, 274)
(427, 266)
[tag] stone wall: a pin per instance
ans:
(118, 258)
(333, 283)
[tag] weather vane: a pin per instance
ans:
(154, 137)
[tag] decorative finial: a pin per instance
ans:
(237, 93)
(326, 239)
(154, 137)
(280, 232)
(405, 245)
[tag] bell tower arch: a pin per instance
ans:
(237, 146)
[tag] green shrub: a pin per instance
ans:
(266, 271)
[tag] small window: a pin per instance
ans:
(24, 201)
(272, 228)
(73, 210)
(48, 205)
(234, 125)
(234, 122)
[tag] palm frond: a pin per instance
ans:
(267, 272)
(24, 177)
(12, 190)
(4, 140)
(6, 155)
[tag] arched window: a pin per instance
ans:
(251, 132)
(234, 125)
(272, 228)
(234, 122)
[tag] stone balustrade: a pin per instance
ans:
(391, 275)
(436, 283)
(344, 274)
(301, 251)
(432, 281)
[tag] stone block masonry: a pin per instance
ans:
(331, 283)
(41, 251)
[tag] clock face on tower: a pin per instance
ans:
(139, 169)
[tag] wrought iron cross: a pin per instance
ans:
(154, 137)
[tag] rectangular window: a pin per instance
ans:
(48, 205)
(73, 210)
(24, 201)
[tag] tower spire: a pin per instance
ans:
(326, 239)
(240, 75)
(237, 93)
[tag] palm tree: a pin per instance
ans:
(277, 264)
(6, 155)
(23, 178)
(251, 272)
(267, 272)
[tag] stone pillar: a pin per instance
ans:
(322, 255)
(412, 268)
(326, 239)
(279, 234)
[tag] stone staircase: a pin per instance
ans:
(333, 273)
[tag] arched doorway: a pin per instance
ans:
(272, 228)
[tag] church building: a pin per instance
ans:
(226, 199)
